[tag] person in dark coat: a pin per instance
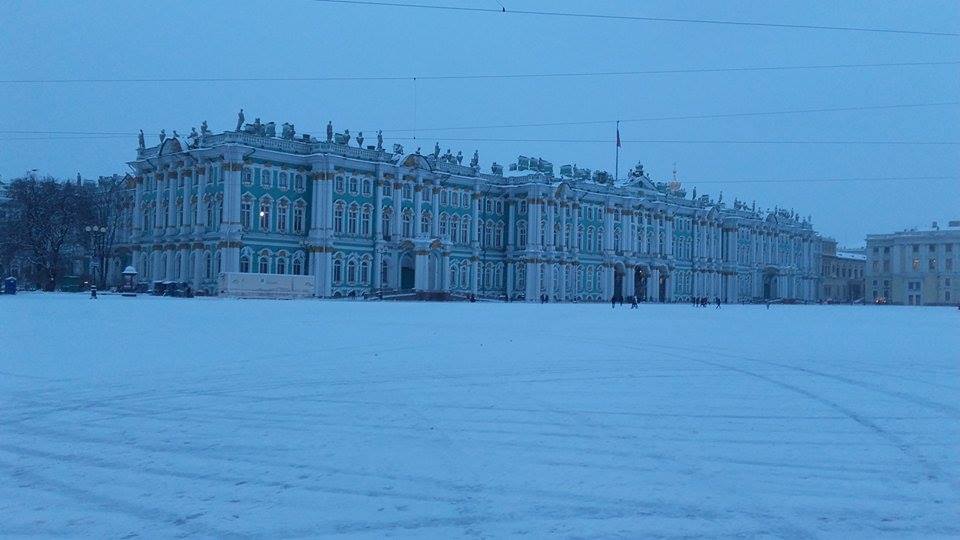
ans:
(633, 301)
(718, 302)
(613, 301)
(93, 292)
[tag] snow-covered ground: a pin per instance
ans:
(154, 417)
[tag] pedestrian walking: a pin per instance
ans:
(633, 301)
(613, 301)
(718, 302)
(93, 292)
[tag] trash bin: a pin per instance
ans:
(10, 285)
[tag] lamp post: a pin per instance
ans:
(97, 233)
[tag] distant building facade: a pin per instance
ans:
(842, 273)
(362, 219)
(915, 267)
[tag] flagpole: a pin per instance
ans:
(616, 172)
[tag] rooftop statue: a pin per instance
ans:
(360, 139)
(203, 128)
(287, 131)
(448, 157)
(193, 140)
(379, 139)
(459, 157)
(330, 131)
(175, 134)
(240, 120)
(398, 148)
(496, 168)
(163, 136)
(475, 160)
(270, 129)
(140, 140)
(436, 150)
(418, 151)
(694, 193)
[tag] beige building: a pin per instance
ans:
(915, 267)
(841, 277)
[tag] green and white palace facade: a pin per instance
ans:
(248, 213)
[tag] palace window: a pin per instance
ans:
(465, 229)
(246, 211)
(443, 225)
(387, 189)
(425, 221)
(266, 180)
(455, 228)
(916, 263)
(299, 212)
(264, 262)
(338, 270)
(283, 214)
(488, 233)
(283, 182)
(454, 276)
(247, 177)
(366, 218)
(367, 187)
(351, 271)
(407, 191)
(352, 217)
(354, 185)
(407, 222)
(385, 222)
(444, 198)
(338, 215)
(464, 275)
(932, 263)
(365, 271)
(297, 265)
(521, 235)
(523, 207)
(282, 262)
(338, 185)
(245, 263)
(265, 214)
(207, 265)
(298, 183)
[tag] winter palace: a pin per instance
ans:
(250, 211)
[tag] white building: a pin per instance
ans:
(915, 267)
(359, 220)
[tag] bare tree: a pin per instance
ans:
(50, 218)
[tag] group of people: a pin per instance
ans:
(618, 299)
(703, 301)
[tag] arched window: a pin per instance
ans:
(245, 263)
(488, 233)
(543, 232)
(283, 182)
(522, 235)
(498, 275)
(246, 211)
(600, 239)
(443, 225)
(590, 274)
(207, 265)
(282, 262)
(465, 230)
(454, 276)
(488, 276)
(616, 240)
(407, 222)
(366, 218)
(367, 187)
(425, 220)
(464, 275)
(455, 228)
(298, 183)
(177, 261)
(299, 217)
(338, 269)
(385, 220)
(351, 271)
(352, 218)
(354, 185)
(590, 237)
(265, 206)
(338, 215)
(580, 237)
(365, 271)
(283, 215)
(498, 235)
(265, 178)
(263, 265)
(298, 264)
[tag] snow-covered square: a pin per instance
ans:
(160, 417)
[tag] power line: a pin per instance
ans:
(819, 180)
(470, 9)
(479, 76)
(53, 136)
(689, 117)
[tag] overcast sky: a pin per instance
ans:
(302, 38)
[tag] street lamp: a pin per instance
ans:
(96, 233)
